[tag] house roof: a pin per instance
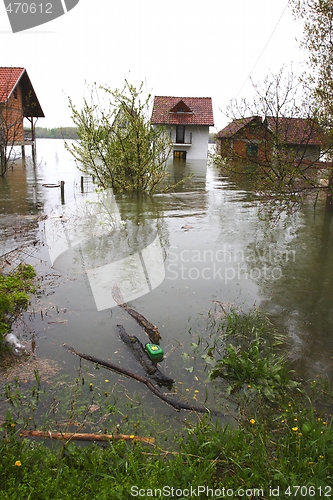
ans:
(235, 126)
(296, 130)
(169, 110)
(289, 130)
(10, 78)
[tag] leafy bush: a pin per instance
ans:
(118, 146)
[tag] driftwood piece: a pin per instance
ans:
(150, 329)
(80, 436)
(178, 405)
(141, 355)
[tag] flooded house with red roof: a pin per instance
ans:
(187, 121)
(18, 101)
(257, 139)
(245, 138)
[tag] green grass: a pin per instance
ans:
(282, 438)
(15, 290)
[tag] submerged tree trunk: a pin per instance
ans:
(329, 197)
(2, 161)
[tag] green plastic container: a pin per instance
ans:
(155, 352)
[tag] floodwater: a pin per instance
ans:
(173, 257)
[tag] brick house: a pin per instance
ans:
(187, 120)
(18, 101)
(255, 139)
(246, 138)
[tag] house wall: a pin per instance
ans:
(236, 147)
(309, 152)
(12, 119)
(198, 149)
(224, 147)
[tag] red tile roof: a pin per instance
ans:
(296, 130)
(235, 126)
(197, 111)
(288, 130)
(10, 78)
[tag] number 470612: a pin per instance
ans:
(29, 8)
(309, 491)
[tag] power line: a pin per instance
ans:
(263, 50)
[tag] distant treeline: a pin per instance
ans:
(56, 133)
(70, 133)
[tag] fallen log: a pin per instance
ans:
(141, 355)
(80, 436)
(150, 329)
(178, 405)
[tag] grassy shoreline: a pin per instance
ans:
(281, 445)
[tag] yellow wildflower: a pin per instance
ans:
(252, 421)
(295, 429)
(18, 463)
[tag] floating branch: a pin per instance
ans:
(80, 436)
(150, 329)
(178, 405)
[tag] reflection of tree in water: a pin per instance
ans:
(108, 229)
(301, 300)
(142, 219)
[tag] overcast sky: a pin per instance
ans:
(197, 48)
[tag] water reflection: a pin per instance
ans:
(174, 253)
(301, 301)
(115, 247)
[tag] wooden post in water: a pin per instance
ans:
(82, 185)
(62, 191)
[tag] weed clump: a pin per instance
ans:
(15, 290)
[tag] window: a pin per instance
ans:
(180, 134)
(252, 150)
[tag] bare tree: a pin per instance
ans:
(285, 143)
(318, 41)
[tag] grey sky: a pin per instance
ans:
(178, 47)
